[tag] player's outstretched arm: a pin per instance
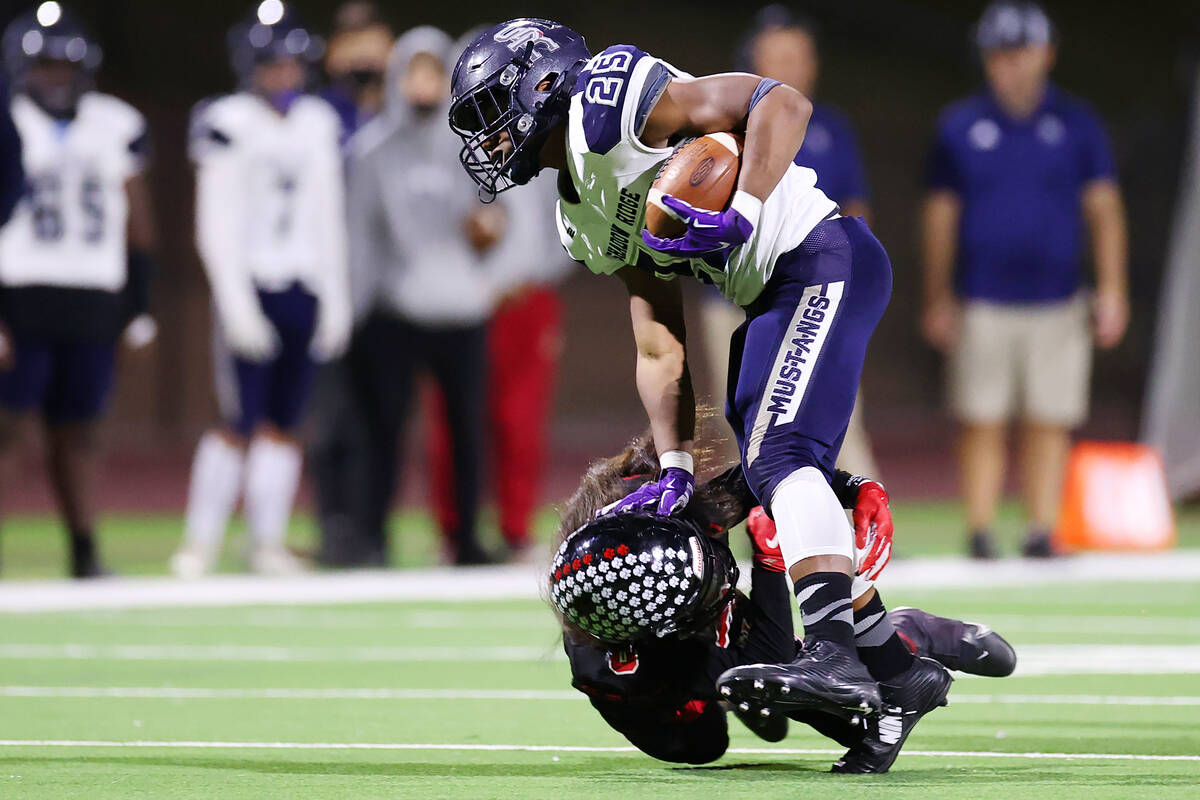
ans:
(665, 386)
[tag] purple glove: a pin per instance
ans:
(665, 496)
(708, 231)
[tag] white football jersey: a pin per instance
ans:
(612, 171)
(269, 193)
(70, 228)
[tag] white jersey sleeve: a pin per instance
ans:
(222, 212)
(331, 282)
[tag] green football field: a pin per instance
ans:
(472, 700)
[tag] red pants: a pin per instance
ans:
(524, 342)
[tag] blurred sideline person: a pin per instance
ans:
(420, 290)
(74, 257)
(270, 229)
(783, 45)
(355, 63)
(524, 342)
(1018, 175)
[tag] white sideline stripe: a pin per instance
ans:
(546, 748)
(150, 652)
(1031, 659)
(194, 693)
(537, 618)
(184, 693)
(524, 582)
(1075, 699)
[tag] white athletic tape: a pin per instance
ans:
(551, 748)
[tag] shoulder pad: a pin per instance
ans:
(604, 89)
(213, 125)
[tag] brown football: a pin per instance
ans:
(702, 172)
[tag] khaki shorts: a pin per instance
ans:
(1032, 361)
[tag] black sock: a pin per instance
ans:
(83, 548)
(879, 646)
(825, 607)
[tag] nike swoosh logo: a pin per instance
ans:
(773, 542)
(982, 656)
(702, 225)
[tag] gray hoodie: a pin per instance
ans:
(407, 200)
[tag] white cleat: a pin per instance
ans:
(276, 561)
(190, 562)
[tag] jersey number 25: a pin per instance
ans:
(603, 88)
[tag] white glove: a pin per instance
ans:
(250, 334)
(331, 336)
(141, 331)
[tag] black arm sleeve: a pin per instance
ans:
(846, 487)
(725, 500)
(12, 169)
(771, 638)
(140, 269)
(670, 737)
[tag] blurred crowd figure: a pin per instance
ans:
(75, 256)
(355, 62)
(524, 342)
(782, 45)
(1021, 183)
(271, 231)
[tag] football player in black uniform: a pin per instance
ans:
(652, 620)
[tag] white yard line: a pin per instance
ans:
(150, 652)
(525, 582)
(1039, 659)
(198, 693)
(183, 693)
(537, 748)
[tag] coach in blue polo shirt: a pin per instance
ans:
(1021, 185)
(782, 45)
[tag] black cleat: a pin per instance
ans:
(964, 646)
(471, 554)
(906, 698)
(826, 676)
(846, 732)
(1038, 544)
(981, 546)
(85, 561)
(763, 722)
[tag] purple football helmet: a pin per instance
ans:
(514, 78)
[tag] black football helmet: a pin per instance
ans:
(271, 32)
(630, 577)
(513, 78)
(51, 32)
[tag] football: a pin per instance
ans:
(702, 172)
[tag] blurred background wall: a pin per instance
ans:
(891, 65)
